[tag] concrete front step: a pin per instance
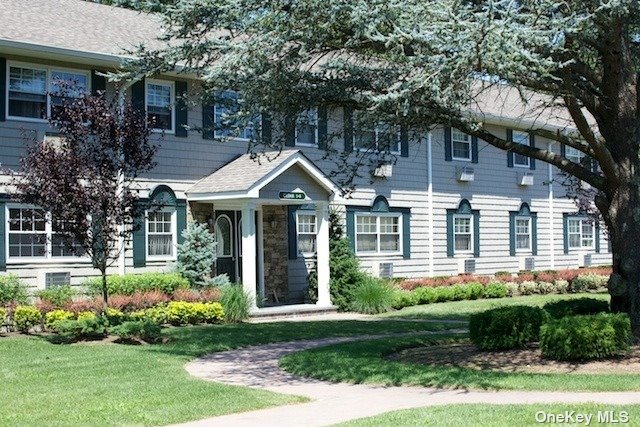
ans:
(291, 311)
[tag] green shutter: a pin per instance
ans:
(476, 234)
(292, 232)
(565, 232)
(266, 129)
(534, 234)
(139, 241)
(348, 129)
(447, 144)
(3, 89)
(563, 150)
(509, 153)
(406, 234)
(137, 95)
(208, 122)
(3, 255)
(290, 130)
(512, 233)
(450, 213)
(532, 144)
(323, 127)
(182, 110)
(404, 141)
(181, 219)
(351, 228)
(597, 236)
(98, 83)
(474, 149)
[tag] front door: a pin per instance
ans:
(228, 248)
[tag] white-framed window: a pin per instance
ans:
(518, 159)
(160, 104)
(225, 113)
(523, 233)
(224, 237)
(34, 91)
(381, 137)
(33, 234)
(161, 234)
(460, 145)
(378, 234)
(307, 230)
(462, 234)
(574, 154)
(581, 233)
(307, 128)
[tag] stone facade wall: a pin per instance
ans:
(276, 253)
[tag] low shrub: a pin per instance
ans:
(26, 317)
(52, 318)
(527, 287)
(12, 290)
(58, 296)
(506, 327)
(192, 313)
(142, 330)
(496, 290)
(402, 299)
(586, 337)
(426, 295)
(525, 276)
(512, 288)
(211, 293)
(188, 295)
(236, 303)
(114, 316)
(475, 290)
(3, 317)
(82, 329)
(80, 306)
(138, 300)
(546, 288)
(589, 282)
(130, 284)
(580, 306)
(372, 296)
(86, 315)
(561, 286)
(44, 306)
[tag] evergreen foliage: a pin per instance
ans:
(196, 255)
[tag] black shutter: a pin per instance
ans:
(98, 83)
(474, 149)
(351, 228)
(139, 241)
(510, 153)
(532, 144)
(290, 130)
(447, 144)
(137, 95)
(404, 142)
(563, 150)
(293, 232)
(348, 129)
(3, 255)
(323, 127)
(266, 128)
(3, 89)
(208, 121)
(181, 109)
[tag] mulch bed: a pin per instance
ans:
(465, 355)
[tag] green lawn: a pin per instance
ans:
(491, 415)
(365, 362)
(462, 309)
(108, 384)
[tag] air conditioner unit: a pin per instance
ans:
(525, 179)
(586, 260)
(53, 280)
(465, 174)
(383, 171)
(469, 266)
(52, 139)
(529, 263)
(385, 270)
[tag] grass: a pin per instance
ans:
(365, 362)
(107, 384)
(461, 310)
(490, 415)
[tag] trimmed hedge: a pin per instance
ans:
(586, 337)
(506, 327)
(580, 306)
(181, 313)
(429, 295)
(137, 330)
(85, 328)
(129, 284)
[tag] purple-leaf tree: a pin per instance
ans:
(85, 177)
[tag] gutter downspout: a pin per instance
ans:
(430, 201)
(552, 257)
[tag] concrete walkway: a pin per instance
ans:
(338, 402)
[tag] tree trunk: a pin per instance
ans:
(105, 290)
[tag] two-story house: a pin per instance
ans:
(449, 204)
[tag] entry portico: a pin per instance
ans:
(252, 193)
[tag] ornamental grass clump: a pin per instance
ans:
(506, 327)
(372, 296)
(236, 303)
(589, 337)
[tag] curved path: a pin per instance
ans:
(338, 402)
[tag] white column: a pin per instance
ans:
(322, 253)
(249, 250)
(430, 201)
(552, 249)
(260, 254)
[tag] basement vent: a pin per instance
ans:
(587, 260)
(386, 270)
(53, 280)
(530, 263)
(469, 265)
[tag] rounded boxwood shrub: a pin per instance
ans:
(506, 327)
(372, 296)
(52, 318)
(26, 317)
(586, 337)
(426, 295)
(496, 290)
(402, 299)
(558, 309)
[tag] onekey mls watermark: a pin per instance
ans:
(582, 418)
